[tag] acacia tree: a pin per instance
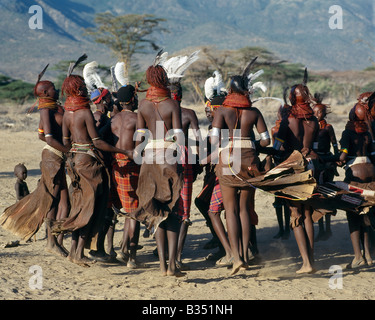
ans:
(126, 35)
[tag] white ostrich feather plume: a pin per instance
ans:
(120, 73)
(176, 66)
(209, 88)
(258, 85)
(214, 84)
(92, 78)
(219, 84)
(253, 76)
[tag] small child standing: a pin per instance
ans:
(21, 188)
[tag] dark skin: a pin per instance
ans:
(123, 126)
(280, 206)
(80, 127)
(326, 138)
(102, 108)
(300, 136)
(189, 121)
(358, 145)
(237, 207)
(170, 112)
(215, 218)
(51, 125)
(21, 186)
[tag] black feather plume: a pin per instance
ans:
(305, 77)
(157, 58)
(72, 65)
(42, 73)
(247, 70)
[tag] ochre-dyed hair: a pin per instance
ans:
(41, 84)
(72, 85)
(306, 96)
(157, 76)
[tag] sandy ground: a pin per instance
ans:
(271, 277)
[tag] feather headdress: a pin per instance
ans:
(73, 65)
(114, 80)
(40, 75)
(214, 85)
(160, 57)
(176, 66)
(92, 78)
(119, 71)
(249, 77)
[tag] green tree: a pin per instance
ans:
(126, 35)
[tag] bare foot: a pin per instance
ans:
(177, 273)
(306, 269)
(237, 266)
(56, 249)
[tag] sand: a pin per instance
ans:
(272, 276)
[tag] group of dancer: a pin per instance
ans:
(119, 165)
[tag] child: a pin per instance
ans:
(21, 188)
(322, 147)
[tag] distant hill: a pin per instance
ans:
(294, 30)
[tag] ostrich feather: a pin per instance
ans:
(305, 77)
(114, 80)
(73, 65)
(247, 70)
(219, 84)
(214, 85)
(120, 73)
(40, 75)
(259, 85)
(253, 76)
(209, 88)
(92, 78)
(158, 58)
(176, 66)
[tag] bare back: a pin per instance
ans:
(167, 111)
(245, 120)
(301, 134)
(123, 126)
(79, 126)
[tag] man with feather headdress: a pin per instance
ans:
(86, 169)
(161, 178)
(176, 68)
(50, 199)
(238, 161)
